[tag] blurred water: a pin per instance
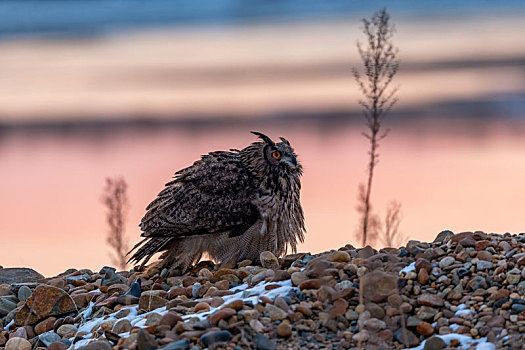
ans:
(448, 174)
(88, 17)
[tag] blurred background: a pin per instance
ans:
(139, 89)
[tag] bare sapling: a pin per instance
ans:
(116, 201)
(389, 233)
(380, 65)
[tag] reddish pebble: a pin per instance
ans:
(177, 291)
(57, 346)
(236, 305)
(170, 319)
(311, 284)
(202, 306)
(425, 329)
(222, 285)
(272, 286)
(221, 315)
(45, 326)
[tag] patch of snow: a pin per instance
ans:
(409, 268)
(6, 328)
(454, 327)
(87, 311)
(464, 340)
(460, 313)
(243, 292)
(485, 346)
(247, 294)
(81, 343)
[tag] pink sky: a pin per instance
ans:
(52, 218)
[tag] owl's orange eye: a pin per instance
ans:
(276, 154)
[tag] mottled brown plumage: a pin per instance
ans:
(230, 205)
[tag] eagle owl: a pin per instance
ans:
(231, 205)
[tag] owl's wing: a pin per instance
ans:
(211, 196)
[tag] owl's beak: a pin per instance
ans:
(291, 161)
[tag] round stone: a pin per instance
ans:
(17, 343)
(484, 255)
(284, 330)
(446, 261)
(424, 328)
(123, 325)
(57, 346)
(215, 337)
(202, 306)
(195, 289)
(274, 312)
(435, 343)
(338, 256)
(268, 260)
(24, 293)
(67, 330)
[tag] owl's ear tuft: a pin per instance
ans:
(263, 137)
(284, 141)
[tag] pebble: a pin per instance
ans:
(99, 345)
(214, 337)
(404, 336)
(429, 299)
(284, 330)
(49, 337)
(151, 300)
(145, 341)
(513, 278)
(446, 262)
(338, 256)
(123, 326)
(374, 324)
(268, 260)
(484, 265)
(195, 289)
(298, 278)
(422, 276)
(275, 313)
(182, 344)
(361, 336)
(45, 301)
(378, 285)
(201, 307)
(110, 277)
(24, 293)
(425, 329)
(484, 255)
(67, 330)
(262, 342)
(221, 315)
(6, 305)
(434, 343)
(57, 346)
(21, 332)
(311, 284)
(422, 263)
(17, 343)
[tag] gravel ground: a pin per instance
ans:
(461, 291)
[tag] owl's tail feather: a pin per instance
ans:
(147, 248)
